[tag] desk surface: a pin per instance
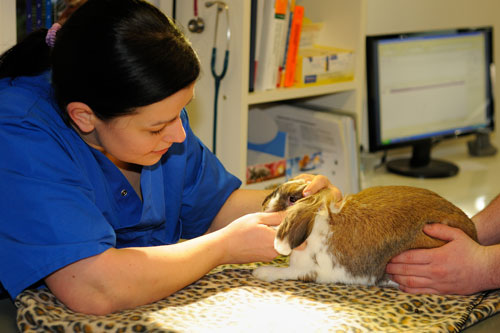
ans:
(475, 185)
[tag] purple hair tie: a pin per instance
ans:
(50, 39)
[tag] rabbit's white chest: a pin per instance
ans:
(316, 262)
(318, 256)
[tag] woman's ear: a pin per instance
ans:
(82, 116)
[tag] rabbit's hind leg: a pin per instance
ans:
(273, 273)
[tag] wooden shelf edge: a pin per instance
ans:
(279, 94)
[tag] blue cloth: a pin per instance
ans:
(62, 201)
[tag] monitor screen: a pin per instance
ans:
(427, 86)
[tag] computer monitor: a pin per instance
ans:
(423, 87)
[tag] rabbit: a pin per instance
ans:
(351, 241)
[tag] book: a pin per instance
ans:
(253, 40)
(293, 45)
(284, 44)
(271, 41)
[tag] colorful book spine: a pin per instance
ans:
(293, 45)
(287, 39)
(273, 34)
(253, 42)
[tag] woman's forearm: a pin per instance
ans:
(239, 203)
(120, 279)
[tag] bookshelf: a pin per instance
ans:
(343, 27)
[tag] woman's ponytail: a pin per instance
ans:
(29, 57)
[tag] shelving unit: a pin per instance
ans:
(295, 93)
(343, 27)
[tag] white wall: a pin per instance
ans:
(7, 24)
(201, 109)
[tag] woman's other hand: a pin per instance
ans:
(317, 183)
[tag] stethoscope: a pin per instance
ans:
(196, 24)
(221, 6)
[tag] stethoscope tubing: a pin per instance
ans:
(218, 77)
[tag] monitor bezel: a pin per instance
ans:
(373, 98)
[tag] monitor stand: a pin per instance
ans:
(481, 146)
(420, 165)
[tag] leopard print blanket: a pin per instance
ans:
(230, 299)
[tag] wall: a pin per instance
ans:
(201, 108)
(7, 24)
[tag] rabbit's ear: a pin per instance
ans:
(298, 223)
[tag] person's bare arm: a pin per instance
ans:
(119, 279)
(239, 203)
(487, 223)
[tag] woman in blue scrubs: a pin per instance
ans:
(100, 173)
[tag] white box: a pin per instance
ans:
(323, 65)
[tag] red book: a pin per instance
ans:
(293, 45)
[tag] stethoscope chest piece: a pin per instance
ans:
(196, 25)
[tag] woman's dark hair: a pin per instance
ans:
(19, 60)
(113, 55)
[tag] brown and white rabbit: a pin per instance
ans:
(352, 241)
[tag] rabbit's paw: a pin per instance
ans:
(389, 283)
(267, 273)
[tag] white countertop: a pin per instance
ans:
(475, 185)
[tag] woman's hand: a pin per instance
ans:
(317, 183)
(458, 267)
(250, 238)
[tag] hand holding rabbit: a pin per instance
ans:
(454, 268)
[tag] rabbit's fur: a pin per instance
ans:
(352, 241)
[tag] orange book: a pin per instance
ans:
(293, 45)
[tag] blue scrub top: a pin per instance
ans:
(62, 201)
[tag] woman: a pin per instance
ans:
(101, 174)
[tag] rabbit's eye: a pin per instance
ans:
(294, 198)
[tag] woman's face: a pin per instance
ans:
(143, 137)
